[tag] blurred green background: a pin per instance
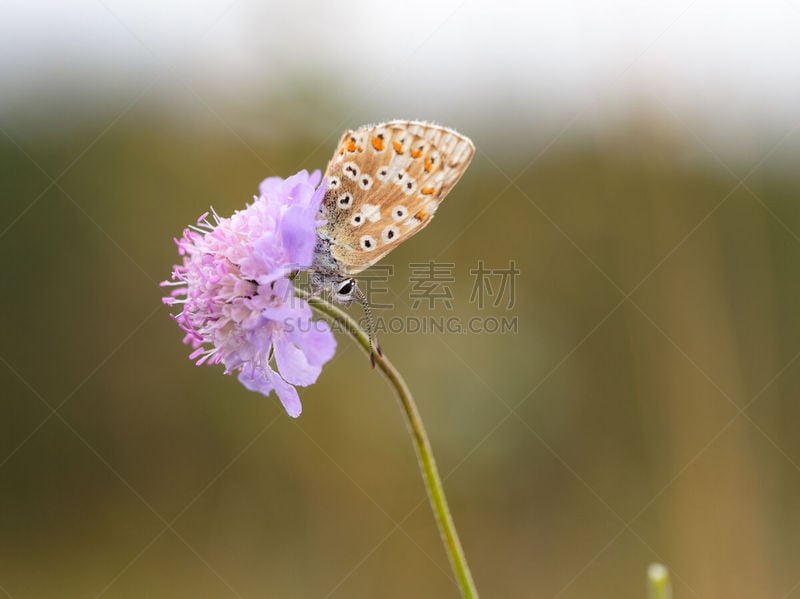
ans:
(646, 410)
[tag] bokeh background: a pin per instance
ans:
(637, 160)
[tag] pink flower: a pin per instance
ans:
(239, 307)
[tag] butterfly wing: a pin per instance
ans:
(385, 183)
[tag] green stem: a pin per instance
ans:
(430, 475)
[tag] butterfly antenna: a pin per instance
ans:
(374, 346)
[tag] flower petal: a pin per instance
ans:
(265, 380)
(293, 364)
(298, 245)
(315, 340)
(314, 178)
(286, 393)
(254, 379)
(270, 186)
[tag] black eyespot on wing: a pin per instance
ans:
(368, 243)
(389, 233)
(344, 200)
(365, 181)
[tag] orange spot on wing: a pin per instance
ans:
(351, 145)
(428, 163)
(398, 147)
(377, 143)
(416, 153)
(427, 190)
(420, 215)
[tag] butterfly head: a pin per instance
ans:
(345, 290)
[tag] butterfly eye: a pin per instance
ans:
(367, 243)
(334, 183)
(389, 233)
(365, 182)
(346, 287)
(409, 185)
(345, 200)
(351, 170)
(357, 220)
(399, 213)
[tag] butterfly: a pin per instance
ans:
(384, 184)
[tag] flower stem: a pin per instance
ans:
(427, 464)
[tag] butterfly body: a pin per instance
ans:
(384, 184)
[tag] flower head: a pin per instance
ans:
(239, 307)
